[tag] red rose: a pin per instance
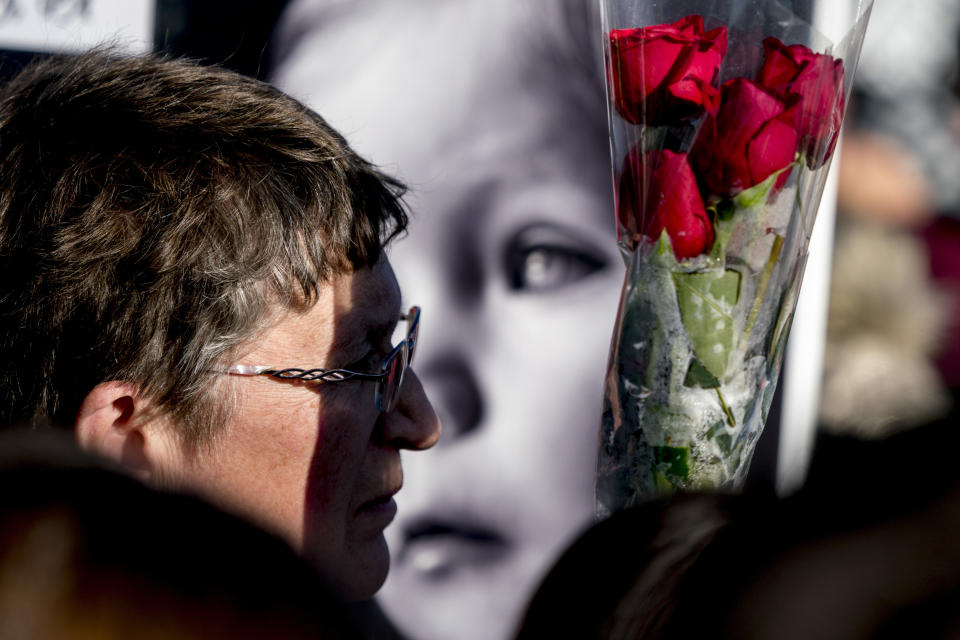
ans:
(658, 191)
(665, 73)
(751, 137)
(813, 84)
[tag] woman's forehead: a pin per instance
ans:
(349, 307)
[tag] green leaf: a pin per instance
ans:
(661, 483)
(715, 428)
(706, 301)
(725, 441)
(758, 193)
(724, 215)
(664, 249)
(698, 376)
(674, 462)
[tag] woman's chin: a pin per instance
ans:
(357, 573)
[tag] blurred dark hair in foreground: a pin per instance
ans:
(868, 549)
(88, 553)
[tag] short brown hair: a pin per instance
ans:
(152, 212)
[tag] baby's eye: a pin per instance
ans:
(546, 257)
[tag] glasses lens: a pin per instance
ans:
(388, 389)
(413, 332)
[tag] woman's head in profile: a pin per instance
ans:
(494, 113)
(88, 552)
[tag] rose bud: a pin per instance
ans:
(813, 83)
(665, 73)
(751, 137)
(658, 190)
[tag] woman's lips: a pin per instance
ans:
(436, 549)
(378, 512)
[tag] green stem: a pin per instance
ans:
(726, 409)
(762, 284)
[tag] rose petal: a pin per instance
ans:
(771, 149)
(815, 84)
(778, 66)
(665, 73)
(751, 137)
(658, 190)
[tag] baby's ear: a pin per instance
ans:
(112, 422)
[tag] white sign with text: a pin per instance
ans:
(74, 25)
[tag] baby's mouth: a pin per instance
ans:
(436, 549)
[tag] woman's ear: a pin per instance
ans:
(112, 422)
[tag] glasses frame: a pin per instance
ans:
(385, 394)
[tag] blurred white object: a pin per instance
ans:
(927, 31)
(75, 25)
(803, 366)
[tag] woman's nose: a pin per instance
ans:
(413, 424)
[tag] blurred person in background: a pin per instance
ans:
(193, 283)
(88, 552)
(868, 551)
(895, 292)
(902, 156)
(493, 112)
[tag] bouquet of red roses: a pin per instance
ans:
(722, 131)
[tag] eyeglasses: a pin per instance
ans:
(389, 379)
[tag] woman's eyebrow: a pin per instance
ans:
(373, 335)
(378, 332)
(368, 325)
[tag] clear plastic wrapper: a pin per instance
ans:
(724, 117)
